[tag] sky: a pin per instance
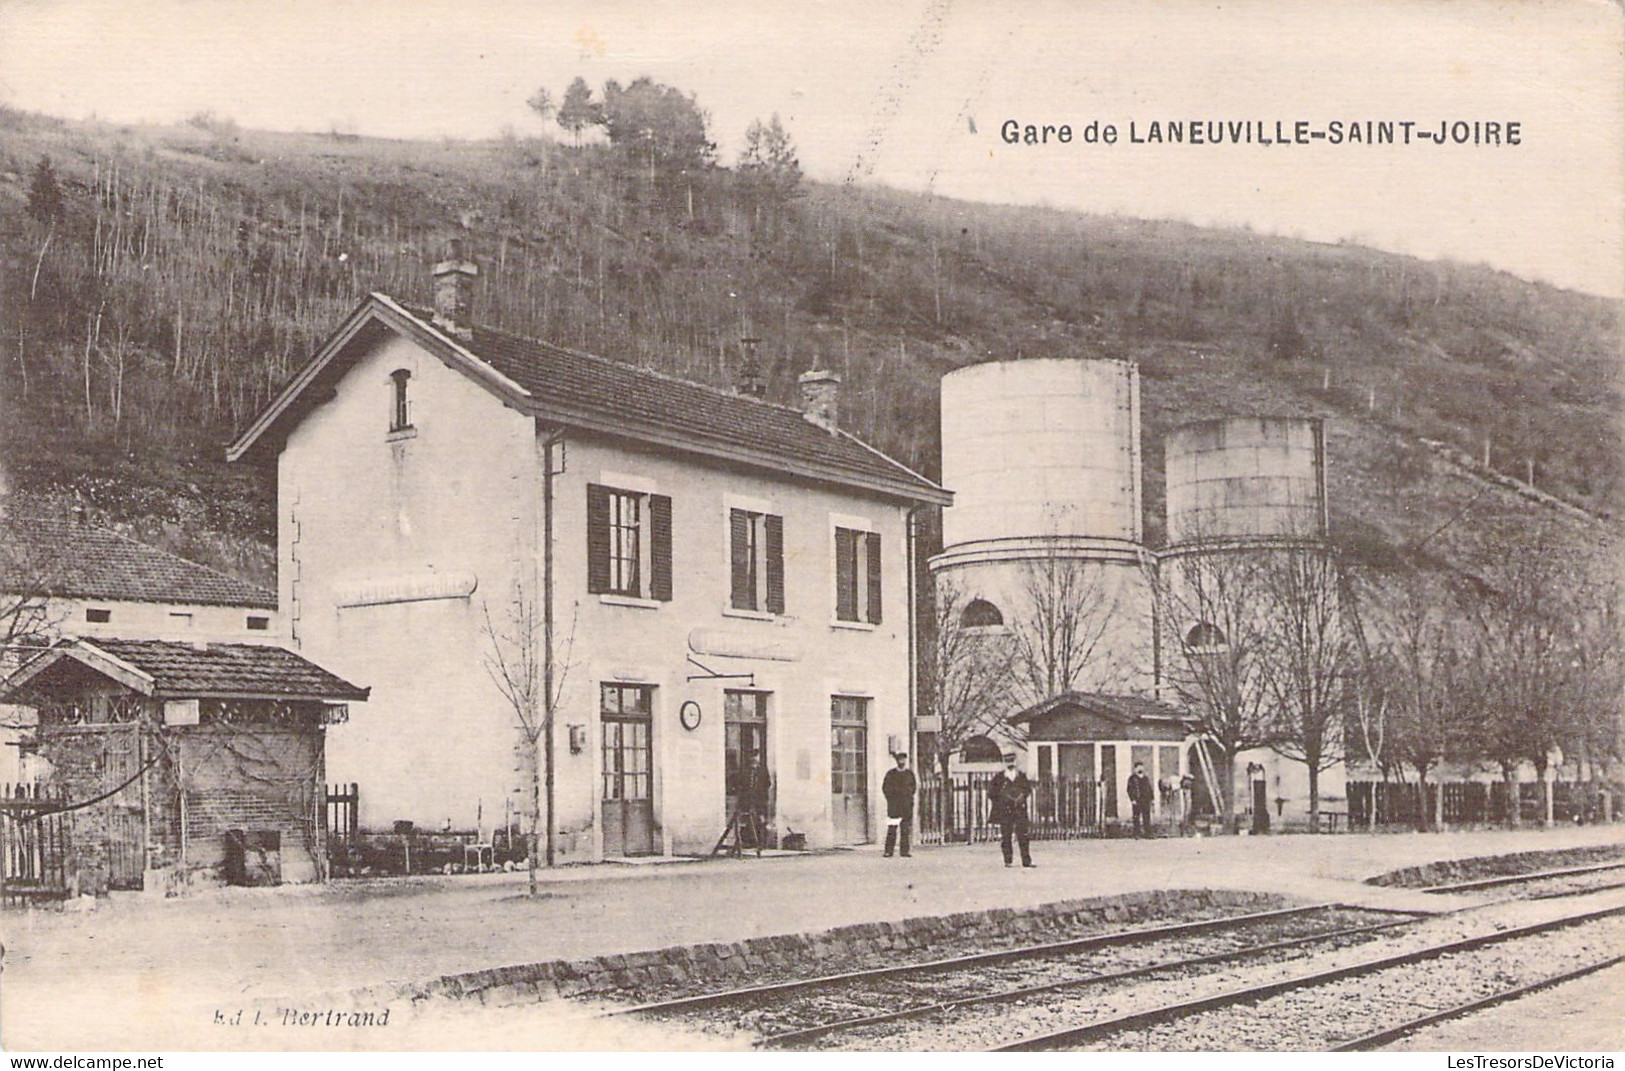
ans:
(914, 93)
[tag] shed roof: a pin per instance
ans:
(1099, 716)
(581, 390)
(170, 670)
(68, 559)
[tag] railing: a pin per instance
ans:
(1470, 802)
(957, 809)
(343, 819)
(34, 844)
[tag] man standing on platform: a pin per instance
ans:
(1139, 795)
(1009, 792)
(898, 787)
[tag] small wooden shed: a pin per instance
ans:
(1093, 736)
(179, 762)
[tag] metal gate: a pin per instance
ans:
(124, 812)
(35, 839)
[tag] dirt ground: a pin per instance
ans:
(170, 974)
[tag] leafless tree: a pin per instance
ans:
(1416, 651)
(966, 678)
(1539, 666)
(1598, 723)
(1311, 660)
(1214, 644)
(1059, 632)
(516, 660)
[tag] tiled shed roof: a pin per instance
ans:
(225, 669)
(1122, 708)
(576, 389)
(68, 559)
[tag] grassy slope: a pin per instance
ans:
(263, 241)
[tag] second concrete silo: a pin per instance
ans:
(1246, 478)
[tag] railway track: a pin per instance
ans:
(803, 1011)
(1140, 1029)
(1572, 881)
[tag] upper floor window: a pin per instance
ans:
(1205, 637)
(756, 561)
(857, 575)
(628, 543)
(258, 624)
(979, 613)
(98, 616)
(400, 413)
(180, 619)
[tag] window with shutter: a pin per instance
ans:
(872, 561)
(773, 532)
(597, 538)
(742, 558)
(628, 543)
(846, 574)
(660, 549)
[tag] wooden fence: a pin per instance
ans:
(1405, 803)
(956, 809)
(34, 845)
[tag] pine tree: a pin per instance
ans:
(44, 193)
(579, 110)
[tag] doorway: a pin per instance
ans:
(627, 807)
(849, 769)
(744, 717)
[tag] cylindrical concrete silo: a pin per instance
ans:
(1043, 457)
(1246, 478)
(1042, 448)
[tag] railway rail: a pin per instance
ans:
(1572, 873)
(868, 998)
(1098, 1030)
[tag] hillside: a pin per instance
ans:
(187, 271)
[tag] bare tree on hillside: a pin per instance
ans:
(966, 681)
(518, 662)
(1311, 663)
(1215, 650)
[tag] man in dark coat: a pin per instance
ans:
(1139, 795)
(898, 787)
(755, 789)
(1008, 793)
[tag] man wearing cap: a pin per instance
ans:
(1139, 795)
(898, 787)
(1008, 792)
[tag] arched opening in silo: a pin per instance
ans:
(980, 614)
(1205, 637)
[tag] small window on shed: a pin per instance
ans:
(980, 614)
(981, 749)
(400, 417)
(1205, 635)
(258, 624)
(97, 616)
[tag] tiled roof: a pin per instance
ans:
(580, 390)
(182, 669)
(1123, 708)
(72, 560)
(637, 396)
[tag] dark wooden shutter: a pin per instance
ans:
(846, 579)
(742, 589)
(872, 539)
(773, 536)
(597, 538)
(660, 547)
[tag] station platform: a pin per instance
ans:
(228, 947)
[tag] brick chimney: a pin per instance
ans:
(750, 382)
(821, 396)
(454, 292)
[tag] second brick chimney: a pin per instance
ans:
(821, 397)
(454, 292)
